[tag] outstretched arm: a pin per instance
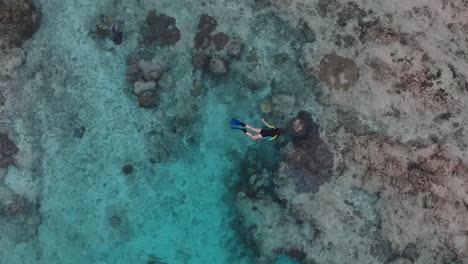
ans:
(273, 138)
(266, 124)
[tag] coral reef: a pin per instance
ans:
(338, 72)
(213, 50)
(206, 25)
(19, 20)
(390, 107)
(144, 77)
(161, 29)
(148, 99)
(200, 61)
(234, 48)
(411, 170)
(220, 40)
(309, 161)
(108, 27)
(218, 65)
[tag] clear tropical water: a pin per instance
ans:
(177, 211)
(119, 150)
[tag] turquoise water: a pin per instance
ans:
(87, 126)
(119, 150)
(176, 211)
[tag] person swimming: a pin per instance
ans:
(270, 132)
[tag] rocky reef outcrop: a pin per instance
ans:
(161, 29)
(309, 160)
(214, 51)
(19, 20)
(144, 76)
(338, 72)
(384, 177)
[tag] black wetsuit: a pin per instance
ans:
(268, 132)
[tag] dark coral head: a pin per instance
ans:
(127, 169)
(161, 29)
(220, 40)
(207, 24)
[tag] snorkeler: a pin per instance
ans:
(270, 132)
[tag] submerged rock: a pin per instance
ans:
(103, 27)
(200, 61)
(127, 169)
(297, 127)
(141, 86)
(150, 71)
(411, 252)
(338, 72)
(220, 40)
(19, 20)
(310, 161)
(108, 27)
(207, 24)
(79, 132)
(234, 48)
(161, 29)
(218, 65)
(302, 125)
(201, 41)
(148, 99)
(7, 150)
(167, 81)
(133, 72)
(143, 75)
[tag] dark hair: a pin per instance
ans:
(279, 131)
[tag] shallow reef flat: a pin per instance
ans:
(115, 145)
